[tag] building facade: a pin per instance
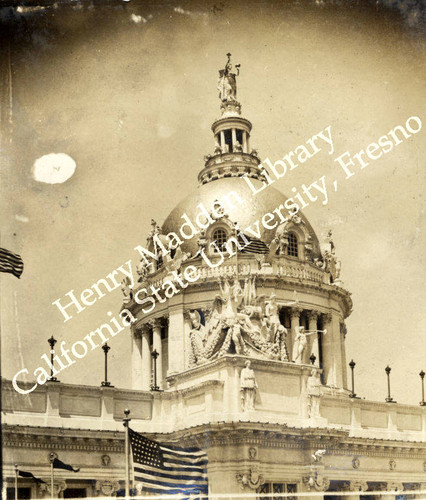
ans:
(238, 347)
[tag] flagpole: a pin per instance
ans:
(52, 457)
(16, 481)
(126, 421)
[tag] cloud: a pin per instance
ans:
(54, 168)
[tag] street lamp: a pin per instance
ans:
(389, 399)
(154, 386)
(352, 366)
(105, 383)
(422, 376)
(52, 341)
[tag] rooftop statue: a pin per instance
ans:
(227, 84)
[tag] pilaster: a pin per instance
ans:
(177, 342)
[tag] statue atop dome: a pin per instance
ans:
(227, 84)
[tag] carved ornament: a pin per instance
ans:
(316, 481)
(251, 479)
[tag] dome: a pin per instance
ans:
(247, 208)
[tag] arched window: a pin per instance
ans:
(220, 237)
(293, 249)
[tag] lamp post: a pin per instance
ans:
(352, 366)
(126, 421)
(16, 481)
(52, 341)
(422, 376)
(389, 399)
(105, 383)
(154, 386)
(312, 359)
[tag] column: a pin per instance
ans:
(222, 140)
(176, 340)
(146, 360)
(136, 359)
(234, 139)
(312, 339)
(245, 149)
(337, 337)
(157, 346)
(294, 322)
(332, 351)
(343, 354)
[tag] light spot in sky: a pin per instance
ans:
(137, 19)
(54, 168)
(21, 218)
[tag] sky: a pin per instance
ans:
(128, 92)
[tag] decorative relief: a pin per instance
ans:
(248, 387)
(251, 479)
(107, 488)
(252, 452)
(392, 464)
(58, 488)
(358, 486)
(313, 389)
(106, 460)
(316, 481)
(395, 486)
(355, 463)
(240, 321)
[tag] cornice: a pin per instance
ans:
(53, 438)
(237, 360)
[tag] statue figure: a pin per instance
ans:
(125, 288)
(227, 84)
(142, 270)
(248, 386)
(202, 241)
(272, 318)
(197, 335)
(313, 389)
(301, 341)
(237, 147)
(235, 331)
(217, 150)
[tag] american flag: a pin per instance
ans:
(168, 470)
(11, 263)
(255, 245)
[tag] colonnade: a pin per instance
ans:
(328, 348)
(145, 341)
(222, 143)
